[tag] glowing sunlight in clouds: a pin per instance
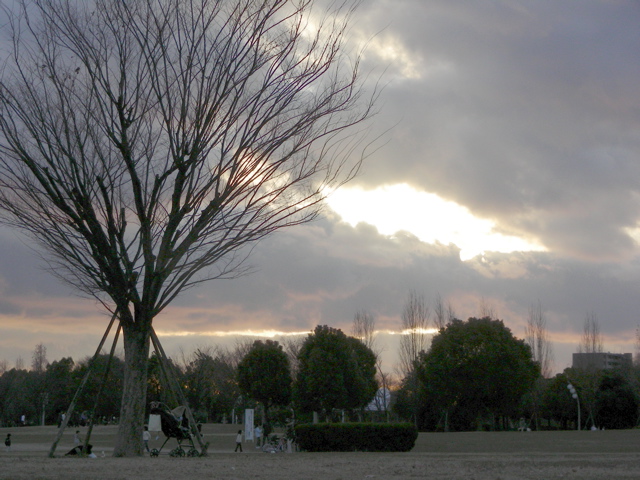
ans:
(427, 216)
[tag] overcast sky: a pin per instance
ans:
(510, 175)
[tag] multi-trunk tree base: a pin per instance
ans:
(169, 377)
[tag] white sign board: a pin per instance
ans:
(248, 424)
(155, 424)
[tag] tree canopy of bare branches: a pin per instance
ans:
(537, 337)
(144, 144)
(442, 314)
(591, 340)
(364, 329)
(39, 360)
(487, 309)
(415, 322)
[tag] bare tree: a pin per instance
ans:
(415, 322)
(439, 313)
(387, 382)
(292, 345)
(19, 363)
(241, 348)
(364, 329)
(144, 143)
(442, 314)
(39, 360)
(591, 340)
(589, 377)
(537, 337)
(486, 309)
(451, 314)
(4, 366)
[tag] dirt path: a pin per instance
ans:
(326, 466)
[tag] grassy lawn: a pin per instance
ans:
(38, 440)
(585, 455)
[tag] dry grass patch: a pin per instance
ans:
(469, 456)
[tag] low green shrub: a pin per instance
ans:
(362, 437)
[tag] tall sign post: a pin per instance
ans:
(248, 425)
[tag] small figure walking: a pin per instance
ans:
(239, 441)
(76, 438)
(146, 436)
(7, 443)
(258, 435)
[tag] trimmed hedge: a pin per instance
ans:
(362, 437)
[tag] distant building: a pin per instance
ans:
(602, 361)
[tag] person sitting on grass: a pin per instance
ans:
(79, 449)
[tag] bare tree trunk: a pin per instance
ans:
(132, 410)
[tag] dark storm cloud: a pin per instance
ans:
(525, 112)
(323, 273)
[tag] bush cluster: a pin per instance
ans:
(363, 437)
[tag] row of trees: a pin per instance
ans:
(43, 394)
(328, 371)
(477, 374)
(608, 399)
(333, 372)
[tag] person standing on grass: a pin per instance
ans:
(258, 434)
(7, 443)
(76, 438)
(146, 436)
(239, 441)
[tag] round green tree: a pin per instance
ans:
(264, 374)
(477, 369)
(616, 403)
(334, 372)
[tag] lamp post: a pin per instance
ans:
(574, 394)
(45, 399)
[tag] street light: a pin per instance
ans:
(574, 394)
(45, 399)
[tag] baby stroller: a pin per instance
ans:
(174, 424)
